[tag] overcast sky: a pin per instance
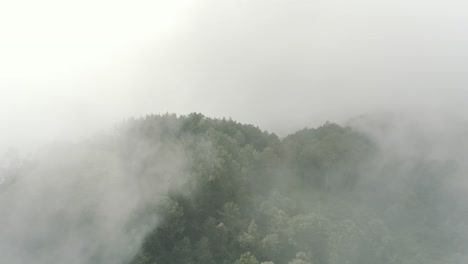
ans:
(71, 68)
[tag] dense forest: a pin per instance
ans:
(326, 195)
(320, 196)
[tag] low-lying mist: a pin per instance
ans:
(190, 189)
(87, 202)
(387, 183)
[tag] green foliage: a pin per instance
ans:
(301, 258)
(247, 258)
(202, 253)
(252, 197)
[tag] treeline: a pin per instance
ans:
(318, 196)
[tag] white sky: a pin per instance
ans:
(71, 68)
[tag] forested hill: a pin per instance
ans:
(168, 189)
(321, 195)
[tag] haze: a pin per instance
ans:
(383, 182)
(70, 69)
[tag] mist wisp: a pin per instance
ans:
(88, 202)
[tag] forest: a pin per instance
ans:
(234, 132)
(319, 196)
(325, 195)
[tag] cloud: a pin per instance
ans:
(92, 202)
(69, 70)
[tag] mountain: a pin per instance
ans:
(171, 189)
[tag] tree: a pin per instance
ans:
(182, 251)
(202, 253)
(247, 258)
(301, 258)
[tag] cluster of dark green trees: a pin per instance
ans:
(318, 196)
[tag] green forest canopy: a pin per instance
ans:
(315, 196)
(326, 195)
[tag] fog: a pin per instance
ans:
(92, 202)
(71, 69)
(396, 70)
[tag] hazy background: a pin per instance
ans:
(71, 68)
